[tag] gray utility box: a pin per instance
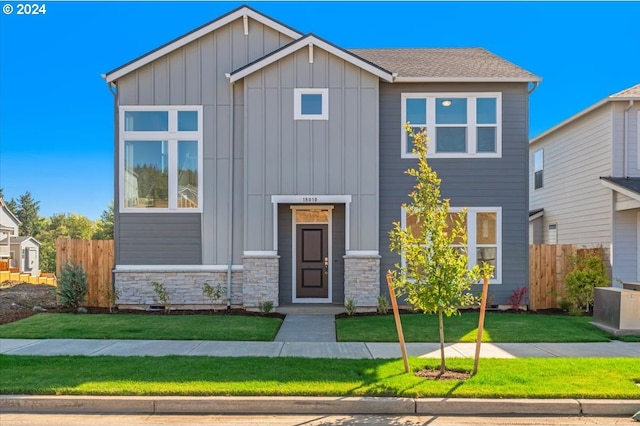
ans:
(617, 310)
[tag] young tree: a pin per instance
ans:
(434, 276)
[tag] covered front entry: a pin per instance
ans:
(312, 261)
(311, 246)
(310, 241)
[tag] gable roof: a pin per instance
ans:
(4, 206)
(306, 41)
(630, 94)
(629, 186)
(20, 240)
(446, 65)
(207, 28)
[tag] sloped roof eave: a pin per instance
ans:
(195, 34)
(533, 79)
(303, 42)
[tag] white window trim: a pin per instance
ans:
(297, 104)
(471, 125)
(472, 231)
(172, 136)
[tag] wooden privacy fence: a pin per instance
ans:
(548, 267)
(96, 258)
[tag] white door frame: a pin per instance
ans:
(294, 253)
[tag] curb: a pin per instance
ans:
(313, 405)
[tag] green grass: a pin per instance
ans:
(173, 375)
(152, 327)
(498, 328)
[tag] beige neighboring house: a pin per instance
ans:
(584, 185)
(22, 252)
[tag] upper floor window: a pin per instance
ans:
(538, 168)
(311, 104)
(484, 235)
(458, 124)
(160, 158)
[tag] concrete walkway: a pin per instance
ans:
(307, 328)
(311, 349)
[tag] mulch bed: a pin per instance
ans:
(434, 374)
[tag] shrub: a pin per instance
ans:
(383, 305)
(162, 295)
(213, 293)
(72, 286)
(587, 271)
(350, 307)
(518, 297)
(112, 294)
(266, 307)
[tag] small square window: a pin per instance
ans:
(311, 104)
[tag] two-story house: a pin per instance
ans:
(585, 182)
(21, 253)
(270, 162)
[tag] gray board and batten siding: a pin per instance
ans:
(467, 182)
(195, 74)
(338, 156)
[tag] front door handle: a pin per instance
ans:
(326, 265)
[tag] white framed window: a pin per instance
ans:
(552, 236)
(538, 169)
(311, 104)
(160, 158)
(484, 236)
(458, 125)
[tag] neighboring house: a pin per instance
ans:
(21, 252)
(585, 182)
(251, 156)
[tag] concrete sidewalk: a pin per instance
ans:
(316, 349)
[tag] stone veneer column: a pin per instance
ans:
(260, 280)
(362, 279)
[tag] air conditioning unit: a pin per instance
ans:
(617, 310)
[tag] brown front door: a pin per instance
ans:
(312, 264)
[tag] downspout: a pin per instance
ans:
(625, 135)
(230, 206)
(116, 204)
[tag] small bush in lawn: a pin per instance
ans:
(72, 286)
(213, 293)
(350, 307)
(266, 307)
(383, 305)
(162, 295)
(518, 297)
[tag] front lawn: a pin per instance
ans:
(498, 328)
(173, 375)
(141, 326)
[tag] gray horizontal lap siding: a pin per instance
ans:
(195, 75)
(500, 182)
(159, 239)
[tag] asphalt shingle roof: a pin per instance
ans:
(631, 92)
(630, 183)
(453, 63)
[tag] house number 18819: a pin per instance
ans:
(309, 199)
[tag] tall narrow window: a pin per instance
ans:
(160, 158)
(538, 168)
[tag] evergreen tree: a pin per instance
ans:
(27, 213)
(104, 225)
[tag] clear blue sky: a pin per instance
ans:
(56, 112)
